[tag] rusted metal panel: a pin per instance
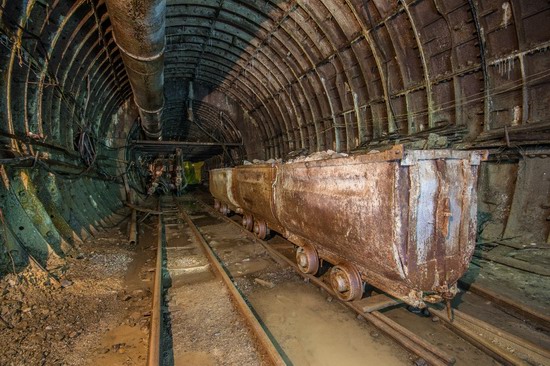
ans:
(405, 219)
(253, 191)
(220, 183)
(528, 219)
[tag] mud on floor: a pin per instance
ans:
(83, 312)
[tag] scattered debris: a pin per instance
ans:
(320, 155)
(264, 283)
(44, 320)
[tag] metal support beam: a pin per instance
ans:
(173, 144)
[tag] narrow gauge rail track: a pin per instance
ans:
(506, 348)
(413, 343)
(155, 351)
(506, 303)
(262, 337)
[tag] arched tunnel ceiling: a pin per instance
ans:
(62, 71)
(277, 77)
(339, 74)
(314, 75)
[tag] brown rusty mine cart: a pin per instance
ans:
(401, 220)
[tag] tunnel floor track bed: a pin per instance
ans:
(198, 315)
(214, 302)
(495, 343)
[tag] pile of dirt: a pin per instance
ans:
(320, 155)
(61, 316)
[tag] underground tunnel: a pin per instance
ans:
(275, 182)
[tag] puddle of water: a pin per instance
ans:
(314, 332)
(133, 349)
(202, 221)
(176, 241)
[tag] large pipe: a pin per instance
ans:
(139, 31)
(132, 235)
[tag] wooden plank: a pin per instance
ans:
(508, 303)
(376, 302)
(500, 255)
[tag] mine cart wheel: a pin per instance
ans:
(307, 259)
(217, 205)
(225, 210)
(248, 222)
(260, 229)
(346, 282)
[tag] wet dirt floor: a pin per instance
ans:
(309, 329)
(91, 309)
(97, 311)
(313, 331)
(300, 317)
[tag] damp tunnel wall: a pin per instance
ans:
(61, 87)
(285, 76)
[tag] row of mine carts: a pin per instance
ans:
(403, 221)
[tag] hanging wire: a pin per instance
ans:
(86, 148)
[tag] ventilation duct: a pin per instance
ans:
(139, 30)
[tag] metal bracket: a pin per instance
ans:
(475, 158)
(408, 159)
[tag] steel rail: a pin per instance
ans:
(430, 353)
(504, 347)
(460, 328)
(505, 302)
(263, 338)
(154, 352)
(504, 335)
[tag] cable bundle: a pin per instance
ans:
(86, 148)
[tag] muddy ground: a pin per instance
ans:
(93, 308)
